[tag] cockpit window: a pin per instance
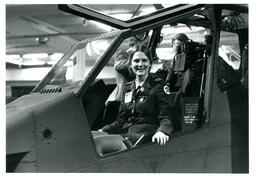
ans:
(126, 12)
(229, 48)
(76, 64)
(165, 49)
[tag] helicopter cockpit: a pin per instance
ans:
(85, 65)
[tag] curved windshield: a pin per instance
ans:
(126, 12)
(75, 65)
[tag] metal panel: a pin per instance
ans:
(218, 160)
(220, 112)
(19, 128)
(62, 136)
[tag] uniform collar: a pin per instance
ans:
(148, 83)
(138, 84)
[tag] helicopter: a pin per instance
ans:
(53, 128)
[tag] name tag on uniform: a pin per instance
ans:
(128, 97)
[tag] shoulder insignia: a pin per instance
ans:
(167, 90)
(158, 79)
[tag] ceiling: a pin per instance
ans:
(46, 29)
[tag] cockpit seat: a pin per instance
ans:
(187, 99)
(110, 112)
(94, 102)
(109, 143)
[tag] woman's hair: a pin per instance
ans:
(144, 49)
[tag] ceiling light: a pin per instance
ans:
(12, 56)
(14, 59)
(35, 56)
(102, 26)
(123, 17)
(180, 29)
(30, 63)
(56, 56)
(146, 11)
(53, 62)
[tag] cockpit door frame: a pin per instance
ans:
(161, 14)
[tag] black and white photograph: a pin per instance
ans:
(127, 88)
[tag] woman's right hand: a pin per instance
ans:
(160, 138)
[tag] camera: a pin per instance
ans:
(191, 52)
(194, 49)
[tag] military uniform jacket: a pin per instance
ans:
(144, 110)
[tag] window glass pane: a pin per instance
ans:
(229, 49)
(165, 49)
(75, 65)
(125, 12)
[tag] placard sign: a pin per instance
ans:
(190, 119)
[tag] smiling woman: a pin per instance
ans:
(140, 61)
(140, 65)
(144, 110)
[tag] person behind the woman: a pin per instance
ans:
(145, 106)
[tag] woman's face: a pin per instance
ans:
(140, 64)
